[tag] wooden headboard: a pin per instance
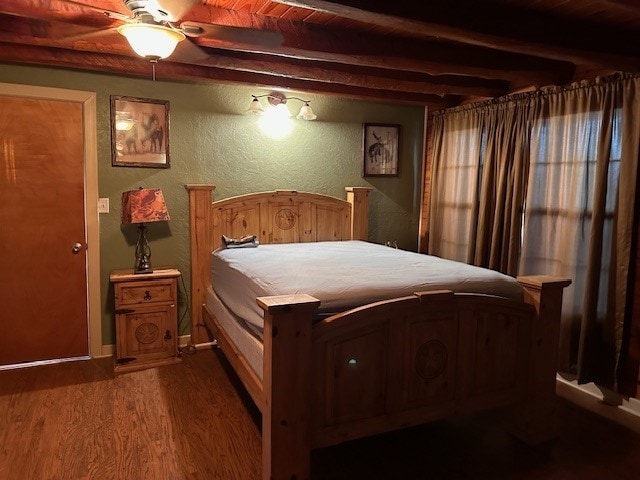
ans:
(281, 216)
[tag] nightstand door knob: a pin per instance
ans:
(147, 295)
(76, 247)
(167, 335)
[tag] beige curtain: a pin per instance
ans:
(456, 157)
(566, 157)
(579, 215)
(504, 172)
(480, 149)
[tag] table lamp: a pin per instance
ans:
(142, 206)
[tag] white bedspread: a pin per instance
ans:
(341, 275)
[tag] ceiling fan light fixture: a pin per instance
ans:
(151, 41)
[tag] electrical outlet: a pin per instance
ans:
(103, 205)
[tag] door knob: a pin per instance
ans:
(76, 247)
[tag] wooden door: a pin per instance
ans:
(43, 265)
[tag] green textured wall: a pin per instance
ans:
(212, 141)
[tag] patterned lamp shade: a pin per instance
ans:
(144, 205)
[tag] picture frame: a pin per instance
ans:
(139, 132)
(381, 150)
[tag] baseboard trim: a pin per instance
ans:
(601, 401)
(107, 351)
(37, 363)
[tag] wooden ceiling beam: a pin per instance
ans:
(321, 72)
(318, 43)
(374, 78)
(464, 24)
(167, 70)
(397, 73)
(431, 54)
(51, 32)
(323, 43)
(39, 33)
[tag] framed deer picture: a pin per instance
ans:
(381, 143)
(139, 132)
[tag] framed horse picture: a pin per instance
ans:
(381, 145)
(139, 132)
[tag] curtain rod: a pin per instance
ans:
(540, 92)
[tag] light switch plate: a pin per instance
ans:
(103, 205)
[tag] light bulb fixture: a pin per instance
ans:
(278, 102)
(150, 40)
(306, 113)
(255, 107)
(281, 111)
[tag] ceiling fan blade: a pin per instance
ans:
(188, 52)
(264, 38)
(118, 16)
(88, 35)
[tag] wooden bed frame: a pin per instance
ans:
(380, 367)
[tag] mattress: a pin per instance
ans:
(342, 275)
(247, 342)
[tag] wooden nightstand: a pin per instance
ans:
(146, 318)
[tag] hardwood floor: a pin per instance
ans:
(193, 421)
(76, 421)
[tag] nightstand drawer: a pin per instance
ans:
(145, 293)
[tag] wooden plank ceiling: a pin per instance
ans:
(433, 53)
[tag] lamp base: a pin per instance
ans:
(143, 265)
(143, 252)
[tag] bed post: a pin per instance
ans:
(286, 416)
(200, 198)
(358, 197)
(534, 417)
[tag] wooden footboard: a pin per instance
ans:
(409, 360)
(404, 362)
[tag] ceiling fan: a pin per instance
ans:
(152, 30)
